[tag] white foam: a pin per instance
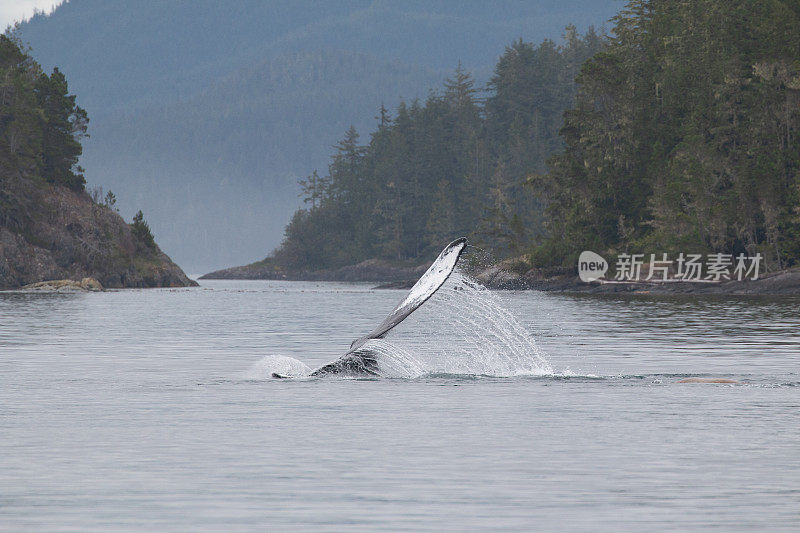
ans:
(279, 364)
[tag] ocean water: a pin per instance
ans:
(154, 410)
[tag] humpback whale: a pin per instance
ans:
(359, 360)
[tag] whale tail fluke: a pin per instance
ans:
(363, 362)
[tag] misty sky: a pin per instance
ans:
(16, 10)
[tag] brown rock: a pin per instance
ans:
(50, 232)
(91, 284)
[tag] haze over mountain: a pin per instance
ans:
(205, 114)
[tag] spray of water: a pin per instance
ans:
(462, 329)
(285, 366)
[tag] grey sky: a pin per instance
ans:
(16, 10)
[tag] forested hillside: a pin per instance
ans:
(205, 113)
(41, 125)
(683, 137)
(50, 228)
(452, 165)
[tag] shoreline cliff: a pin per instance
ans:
(51, 232)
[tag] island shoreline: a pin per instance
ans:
(387, 276)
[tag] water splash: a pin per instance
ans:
(279, 364)
(463, 329)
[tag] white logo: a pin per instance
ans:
(630, 268)
(591, 266)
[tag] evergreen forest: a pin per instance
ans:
(676, 132)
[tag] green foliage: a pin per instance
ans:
(40, 124)
(141, 230)
(683, 136)
(313, 189)
(680, 135)
(110, 200)
(453, 165)
(64, 125)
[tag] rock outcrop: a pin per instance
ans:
(65, 285)
(50, 232)
(782, 283)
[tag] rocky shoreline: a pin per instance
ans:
(783, 283)
(64, 285)
(504, 276)
(50, 233)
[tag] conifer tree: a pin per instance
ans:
(64, 124)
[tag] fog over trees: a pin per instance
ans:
(206, 114)
(454, 164)
(681, 137)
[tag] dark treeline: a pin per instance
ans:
(40, 124)
(680, 134)
(453, 165)
(684, 136)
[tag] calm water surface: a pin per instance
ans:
(152, 410)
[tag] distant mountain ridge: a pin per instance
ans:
(204, 114)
